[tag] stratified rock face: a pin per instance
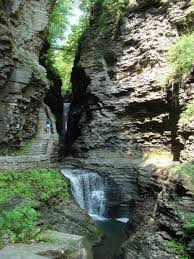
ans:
(120, 112)
(23, 29)
(119, 103)
(161, 234)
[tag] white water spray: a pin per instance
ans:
(89, 190)
(66, 108)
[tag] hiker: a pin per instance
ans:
(48, 126)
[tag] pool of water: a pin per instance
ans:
(114, 237)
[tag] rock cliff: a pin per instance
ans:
(124, 125)
(23, 83)
(119, 104)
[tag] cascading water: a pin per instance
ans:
(66, 108)
(89, 190)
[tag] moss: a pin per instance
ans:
(190, 224)
(25, 147)
(34, 184)
(185, 173)
(178, 248)
(187, 115)
(184, 169)
(88, 246)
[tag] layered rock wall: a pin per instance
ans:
(119, 104)
(122, 121)
(23, 29)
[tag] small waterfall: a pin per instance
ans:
(66, 108)
(89, 190)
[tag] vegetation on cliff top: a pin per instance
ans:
(67, 22)
(65, 32)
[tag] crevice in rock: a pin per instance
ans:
(53, 98)
(174, 116)
(80, 102)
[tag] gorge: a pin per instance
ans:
(125, 130)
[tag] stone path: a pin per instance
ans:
(39, 147)
(41, 151)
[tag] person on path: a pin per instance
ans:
(48, 126)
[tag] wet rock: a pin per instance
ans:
(68, 217)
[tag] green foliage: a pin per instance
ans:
(181, 57)
(114, 9)
(25, 147)
(179, 248)
(186, 171)
(112, 12)
(34, 184)
(190, 225)
(63, 46)
(187, 115)
(19, 225)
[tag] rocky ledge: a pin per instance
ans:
(59, 245)
(164, 233)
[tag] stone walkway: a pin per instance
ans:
(41, 151)
(39, 147)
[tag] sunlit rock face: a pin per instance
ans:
(119, 103)
(23, 29)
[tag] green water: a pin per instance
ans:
(115, 236)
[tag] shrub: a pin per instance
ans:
(19, 224)
(187, 115)
(112, 11)
(186, 173)
(186, 168)
(179, 248)
(35, 184)
(190, 225)
(181, 57)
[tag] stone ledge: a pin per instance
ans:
(57, 245)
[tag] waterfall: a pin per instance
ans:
(89, 190)
(66, 107)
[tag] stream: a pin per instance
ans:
(90, 191)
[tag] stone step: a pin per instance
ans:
(41, 144)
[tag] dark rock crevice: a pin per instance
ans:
(53, 98)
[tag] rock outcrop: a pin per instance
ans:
(124, 125)
(58, 245)
(23, 83)
(164, 233)
(119, 104)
